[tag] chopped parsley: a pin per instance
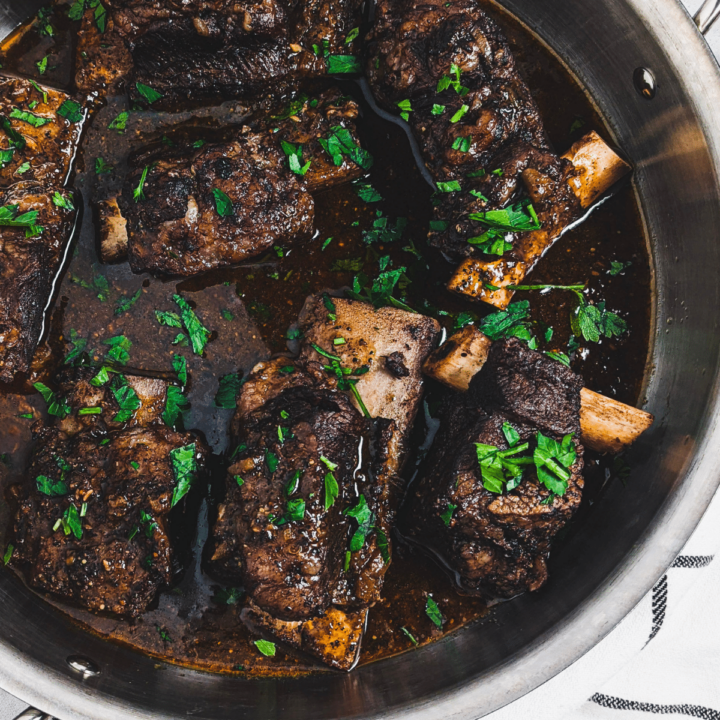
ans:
(352, 35)
(175, 405)
(9, 218)
(384, 230)
(512, 322)
(459, 114)
(340, 142)
(51, 488)
(452, 80)
(409, 635)
(365, 519)
(223, 204)
(139, 191)
(405, 108)
(343, 381)
(592, 322)
(437, 109)
(125, 303)
(332, 490)
(294, 156)
(228, 391)
(42, 65)
(126, 398)
(617, 267)
(8, 553)
(184, 467)
(61, 201)
(446, 516)
(433, 612)
(343, 64)
(55, 406)
(462, 143)
(266, 647)
(120, 122)
(102, 167)
(451, 186)
(70, 522)
(36, 121)
(198, 333)
(271, 460)
(71, 111)
(367, 192)
(150, 94)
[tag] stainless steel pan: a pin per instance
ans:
(617, 48)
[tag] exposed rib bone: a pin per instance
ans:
(598, 168)
(607, 425)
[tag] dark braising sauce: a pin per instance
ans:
(250, 308)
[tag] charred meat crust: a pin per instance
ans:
(201, 51)
(174, 223)
(117, 480)
(294, 568)
(28, 268)
(497, 545)
(487, 135)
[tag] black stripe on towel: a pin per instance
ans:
(692, 561)
(659, 605)
(696, 711)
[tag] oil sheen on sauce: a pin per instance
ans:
(250, 308)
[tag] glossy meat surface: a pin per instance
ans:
(471, 112)
(498, 544)
(94, 524)
(173, 217)
(28, 270)
(203, 51)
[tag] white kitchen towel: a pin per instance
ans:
(662, 659)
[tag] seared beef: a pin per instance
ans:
(482, 130)
(42, 153)
(173, 217)
(210, 50)
(496, 543)
(93, 524)
(312, 571)
(30, 259)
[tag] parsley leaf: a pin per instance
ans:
(446, 187)
(266, 647)
(617, 267)
(592, 322)
(383, 230)
(437, 109)
(31, 119)
(340, 142)
(9, 218)
(170, 319)
(150, 94)
(102, 168)
(199, 334)
(332, 490)
(365, 519)
(61, 201)
(367, 192)
(342, 64)
(139, 191)
(55, 406)
(120, 122)
(446, 516)
(51, 488)
(125, 303)
(433, 612)
(294, 156)
(512, 322)
(71, 111)
(184, 467)
(70, 522)
(175, 405)
(223, 204)
(352, 35)
(228, 391)
(126, 398)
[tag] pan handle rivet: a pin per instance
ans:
(83, 666)
(644, 82)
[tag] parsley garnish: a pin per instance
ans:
(198, 333)
(120, 122)
(409, 634)
(42, 65)
(294, 156)
(51, 488)
(71, 111)
(126, 398)
(437, 109)
(367, 192)
(341, 373)
(462, 143)
(9, 218)
(70, 522)
(170, 319)
(228, 391)
(266, 647)
(55, 406)
(184, 467)
(617, 267)
(451, 186)
(406, 109)
(340, 142)
(175, 405)
(365, 519)
(459, 114)
(125, 303)
(102, 168)
(342, 64)
(35, 120)
(8, 553)
(61, 201)
(139, 191)
(150, 94)
(446, 516)
(223, 204)
(452, 80)
(352, 35)
(332, 490)
(433, 612)
(592, 322)
(383, 231)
